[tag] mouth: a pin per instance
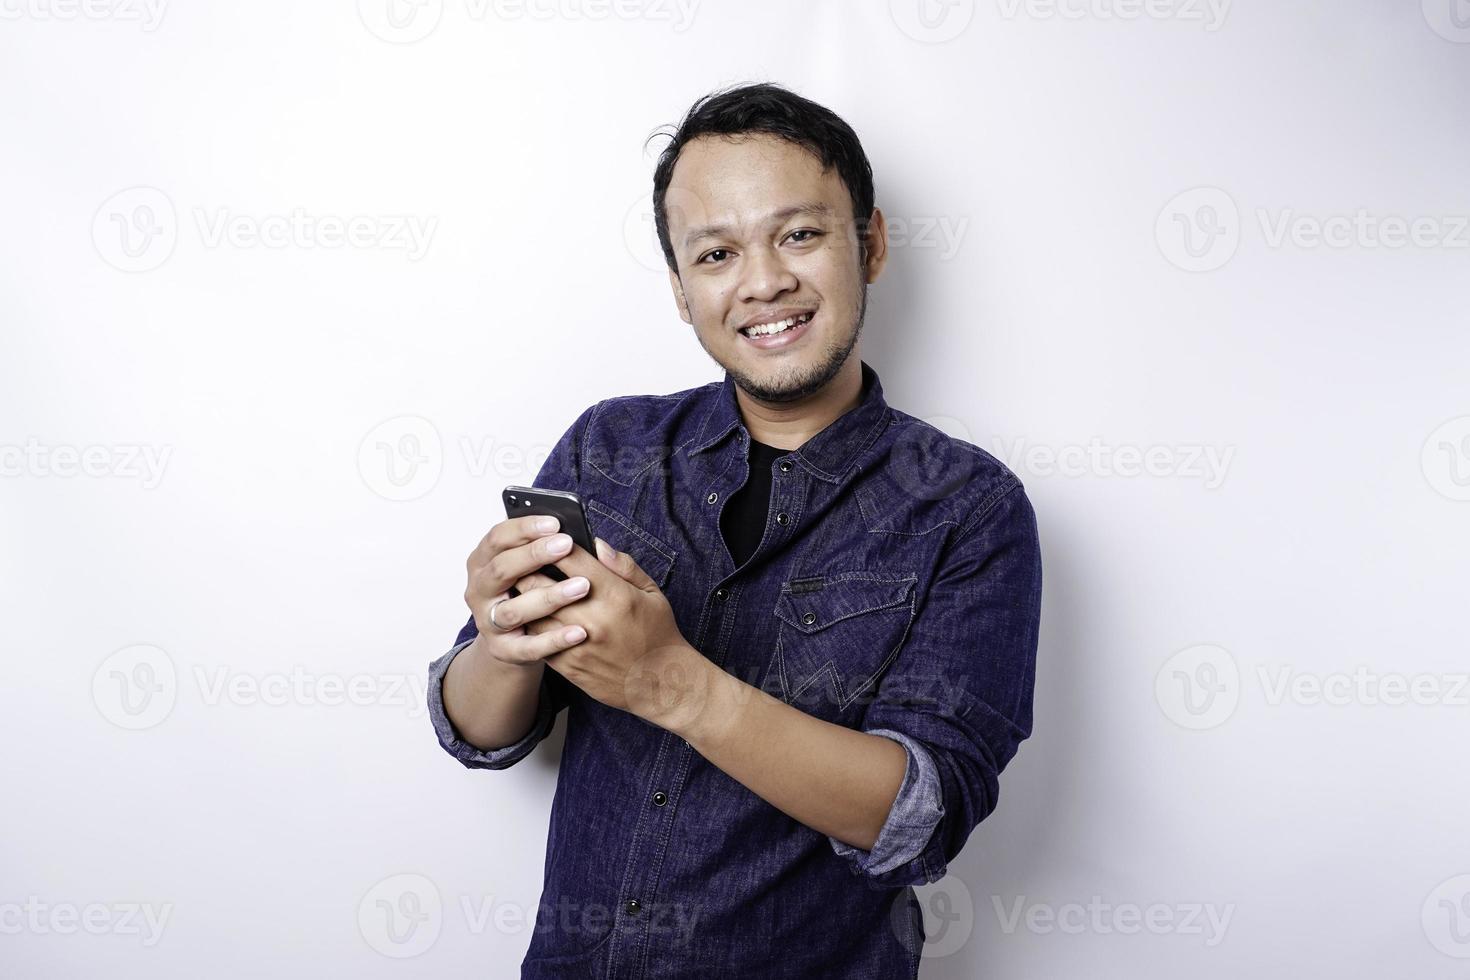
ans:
(778, 333)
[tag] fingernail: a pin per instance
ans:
(546, 524)
(574, 587)
(561, 542)
(574, 634)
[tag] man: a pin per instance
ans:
(806, 649)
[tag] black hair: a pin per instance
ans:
(768, 109)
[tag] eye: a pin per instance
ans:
(809, 232)
(703, 259)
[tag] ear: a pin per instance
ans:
(677, 285)
(875, 246)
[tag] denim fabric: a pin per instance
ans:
(896, 591)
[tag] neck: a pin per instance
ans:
(787, 425)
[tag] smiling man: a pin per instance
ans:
(805, 651)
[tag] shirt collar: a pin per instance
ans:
(828, 454)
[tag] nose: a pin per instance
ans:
(764, 276)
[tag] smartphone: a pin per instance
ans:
(565, 506)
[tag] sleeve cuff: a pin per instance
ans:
(470, 756)
(911, 822)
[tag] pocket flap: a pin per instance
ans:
(651, 554)
(848, 594)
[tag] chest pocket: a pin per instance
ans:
(837, 634)
(650, 552)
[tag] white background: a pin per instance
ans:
(330, 427)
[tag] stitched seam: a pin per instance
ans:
(989, 504)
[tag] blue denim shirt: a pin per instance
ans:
(896, 590)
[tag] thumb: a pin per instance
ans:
(623, 564)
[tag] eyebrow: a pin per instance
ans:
(814, 208)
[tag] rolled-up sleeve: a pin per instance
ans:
(561, 471)
(959, 695)
(912, 818)
(550, 700)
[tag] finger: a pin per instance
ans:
(507, 567)
(623, 564)
(538, 603)
(510, 533)
(529, 648)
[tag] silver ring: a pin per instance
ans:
(493, 623)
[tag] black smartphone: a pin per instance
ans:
(565, 506)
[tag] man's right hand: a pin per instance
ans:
(512, 553)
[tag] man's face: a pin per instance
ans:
(761, 233)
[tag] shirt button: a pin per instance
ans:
(722, 594)
(712, 497)
(785, 466)
(660, 798)
(809, 618)
(633, 906)
(783, 518)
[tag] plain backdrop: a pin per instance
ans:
(289, 291)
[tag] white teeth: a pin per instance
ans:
(766, 329)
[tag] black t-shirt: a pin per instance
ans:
(743, 520)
